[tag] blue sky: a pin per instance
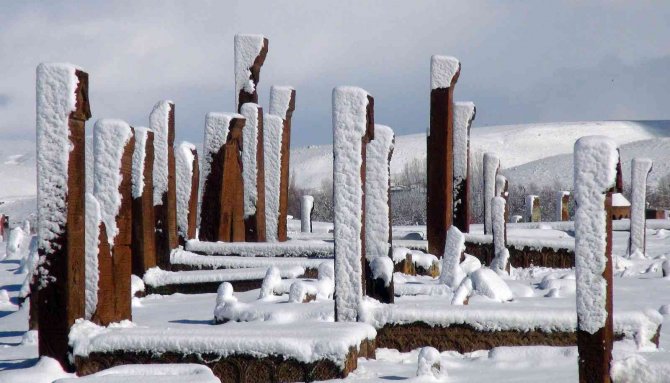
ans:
(522, 61)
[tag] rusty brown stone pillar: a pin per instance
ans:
(121, 251)
(61, 296)
(593, 255)
(369, 136)
(143, 237)
(231, 198)
(248, 70)
(282, 104)
(619, 175)
(165, 193)
(193, 199)
(254, 221)
(105, 312)
(464, 114)
(440, 167)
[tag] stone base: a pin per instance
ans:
(464, 338)
(235, 368)
(524, 257)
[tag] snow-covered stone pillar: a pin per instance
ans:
(59, 289)
(282, 104)
(619, 174)
(562, 203)
(490, 169)
(217, 208)
(464, 114)
(165, 188)
(378, 237)
(306, 207)
(595, 173)
(250, 52)
(499, 231)
(114, 144)
(144, 229)
(502, 190)
(272, 142)
(532, 208)
(353, 128)
(640, 168)
(253, 173)
(452, 274)
(188, 178)
(444, 72)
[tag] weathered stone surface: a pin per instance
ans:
(524, 257)
(231, 227)
(121, 251)
(192, 219)
(237, 367)
(255, 223)
(255, 76)
(143, 234)
(61, 300)
(440, 167)
(369, 136)
(284, 172)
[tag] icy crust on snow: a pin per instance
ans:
(280, 99)
(498, 228)
(149, 373)
(156, 277)
(250, 111)
(451, 273)
(638, 325)
(290, 248)
(184, 157)
(464, 114)
(247, 48)
(110, 138)
(56, 99)
(306, 206)
(559, 204)
(640, 169)
(595, 159)
(272, 142)
(377, 183)
(93, 218)
(307, 341)
(89, 164)
(491, 165)
(442, 71)
(159, 120)
(139, 156)
(349, 126)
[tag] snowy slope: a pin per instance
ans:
(17, 168)
(516, 145)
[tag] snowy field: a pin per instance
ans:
(537, 292)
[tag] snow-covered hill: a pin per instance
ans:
(17, 168)
(527, 151)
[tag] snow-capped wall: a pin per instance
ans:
(349, 127)
(595, 160)
(442, 71)
(93, 217)
(250, 138)
(159, 123)
(451, 274)
(272, 142)
(640, 168)
(109, 141)
(491, 166)
(56, 87)
(377, 181)
(139, 156)
(184, 158)
(247, 48)
(280, 100)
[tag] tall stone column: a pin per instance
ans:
(253, 172)
(143, 241)
(250, 53)
(440, 142)
(464, 114)
(232, 227)
(62, 111)
(165, 188)
(188, 178)
(282, 104)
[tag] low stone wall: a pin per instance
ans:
(235, 368)
(464, 338)
(524, 257)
